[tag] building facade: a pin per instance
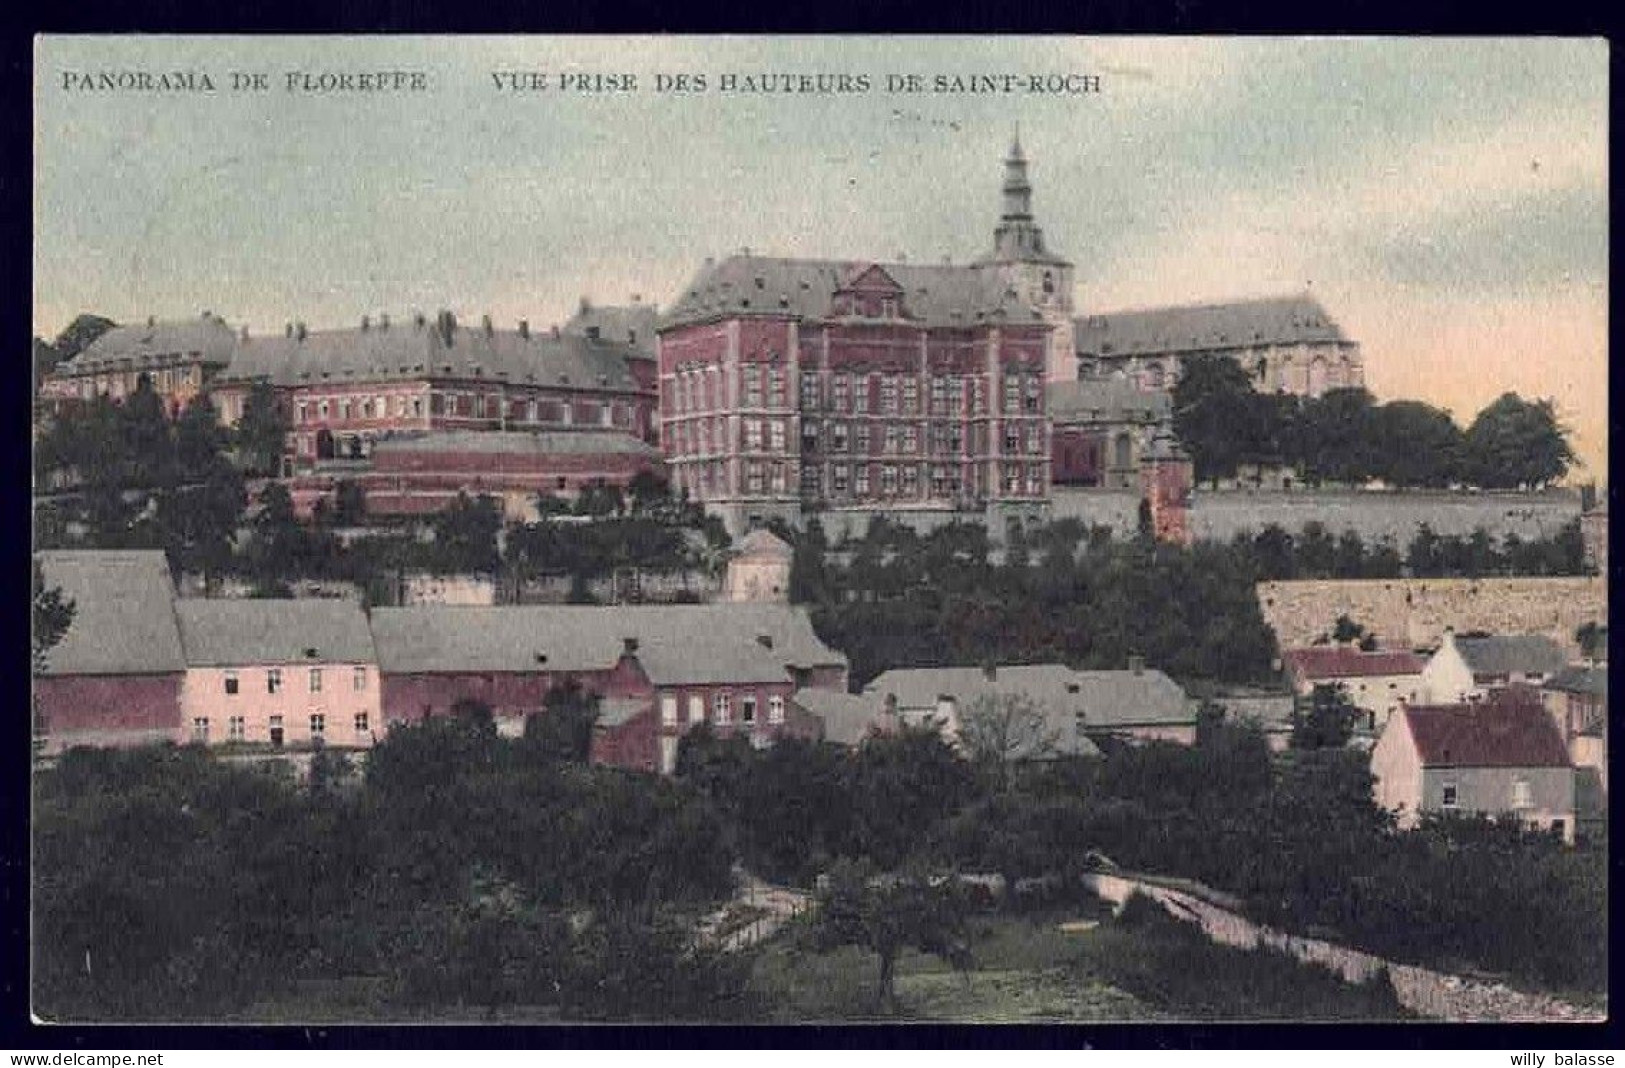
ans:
(1102, 428)
(1378, 682)
(792, 384)
(1286, 344)
(180, 358)
(1467, 668)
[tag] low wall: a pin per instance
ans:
(1423, 991)
(1221, 515)
(1413, 613)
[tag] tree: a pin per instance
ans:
(1328, 720)
(886, 913)
(262, 431)
(562, 730)
(598, 499)
(648, 492)
(1210, 398)
(1515, 443)
(999, 730)
(1337, 436)
(1592, 638)
(1346, 630)
(1416, 444)
(465, 536)
(349, 503)
(278, 543)
(52, 615)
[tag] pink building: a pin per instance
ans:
(280, 673)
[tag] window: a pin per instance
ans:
(775, 431)
(696, 708)
(753, 387)
(344, 409)
(911, 439)
(1012, 392)
(842, 390)
(861, 482)
(1012, 438)
(322, 409)
(668, 709)
(200, 729)
(775, 709)
(860, 439)
(1032, 394)
(775, 386)
(236, 729)
(359, 680)
(753, 477)
(231, 682)
(318, 725)
(837, 479)
(273, 680)
(809, 390)
(361, 725)
(894, 439)
(747, 709)
(811, 484)
(837, 437)
(911, 394)
(888, 479)
(722, 708)
(1448, 795)
(911, 481)
(753, 434)
(315, 680)
(1521, 794)
(276, 731)
(888, 395)
(668, 754)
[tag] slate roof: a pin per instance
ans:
(847, 717)
(226, 633)
(1509, 654)
(1108, 400)
(946, 294)
(406, 350)
(1507, 730)
(1580, 679)
(518, 443)
(124, 617)
(207, 337)
(676, 644)
(1108, 699)
(1345, 662)
(1203, 327)
(632, 325)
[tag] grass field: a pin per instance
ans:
(1028, 970)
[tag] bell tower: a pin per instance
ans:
(1038, 277)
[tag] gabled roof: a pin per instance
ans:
(763, 542)
(207, 338)
(1345, 662)
(1512, 654)
(1509, 729)
(676, 644)
(123, 617)
(1204, 327)
(946, 294)
(847, 717)
(306, 630)
(413, 350)
(1110, 400)
(1107, 699)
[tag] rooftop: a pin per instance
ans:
(1287, 320)
(1508, 654)
(1346, 662)
(1509, 729)
(1106, 400)
(517, 442)
(1106, 699)
(206, 338)
(123, 618)
(313, 630)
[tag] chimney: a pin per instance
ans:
(765, 640)
(630, 646)
(245, 331)
(366, 323)
(287, 330)
(383, 321)
(637, 298)
(990, 671)
(207, 314)
(592, 333)
(485, 321)
(1136, 664)
(418, 320)
(555, 331)
(299, 330)
(152, 320)
(524, 329)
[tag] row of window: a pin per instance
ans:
(164, 380)
(946, 482)
(1522, 795)
(692, 437)
(701, 390)
(237, 728)
(470, 405)
(721, 709)
(231, 681)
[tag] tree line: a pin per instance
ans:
(1346, 437)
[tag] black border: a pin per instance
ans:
(1268, 17)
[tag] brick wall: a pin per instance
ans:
(108, 709)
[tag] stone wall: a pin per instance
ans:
(1413, 613)
(1425, 992)
(1221, 515)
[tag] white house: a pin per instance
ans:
(1468, 669)
(1379, 682)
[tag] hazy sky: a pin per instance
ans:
(1445, 199)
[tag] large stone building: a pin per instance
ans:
(1102, 428)
(795, 383)
(1287, 344)
(178, 358)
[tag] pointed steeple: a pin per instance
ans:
(1017, 236)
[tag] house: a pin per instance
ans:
(1577, 700)
(281, 673)
(759, 570)
(847, 718)
(659, 670)
(1379, 681)
(1499, 756)
(115, 677)
(1136, 704)
(1469, 668)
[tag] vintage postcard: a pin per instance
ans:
(753, 530)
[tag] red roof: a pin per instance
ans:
(1509, 729)
(1344, 661)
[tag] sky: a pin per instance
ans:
(1446, 200)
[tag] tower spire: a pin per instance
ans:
(1017, 236)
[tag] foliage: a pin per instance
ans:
(1325, 720)
(1515, 442)
(996, 731)
(465, 536)
(52, 615)
(262, 431)
(562, 730)
(886, 913)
